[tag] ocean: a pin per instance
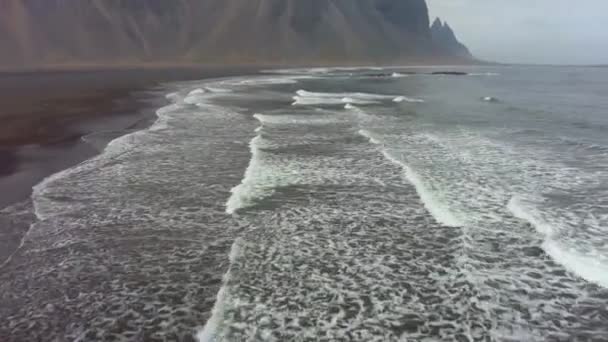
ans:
(332, 204)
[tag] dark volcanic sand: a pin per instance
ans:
(44, 116)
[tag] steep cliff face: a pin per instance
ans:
(445, 40)
(45, 32)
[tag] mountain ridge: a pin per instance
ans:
(107, 32)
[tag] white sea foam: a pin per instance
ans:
(360, 96)
(43, 208)
(587, 266)
(363, 117)
(399, 99)
(268, 81)
(321, 70)
(433, 167)
(196, 92)
(311, 101)
(244, 193)
(117, 147)
(304, 97)
(256, 175)
(518, 208)
(193, 99)
(174, 96)
(209, 91)
(209, 333)
(439, 211)
(368, 135)
(162, 121)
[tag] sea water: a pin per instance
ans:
(356, 204)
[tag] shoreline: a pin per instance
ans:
(57, 120)
(47, 115)
(62, 69)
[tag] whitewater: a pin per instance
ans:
(324, 204)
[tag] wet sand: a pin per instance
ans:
(45, 115)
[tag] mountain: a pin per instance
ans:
(57, 32)
(446, 42)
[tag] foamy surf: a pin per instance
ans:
(244, 193)
(437, 209)
(197, 91)
(211, 331)
(407, 99)
(518, 208)
(269, 81)
(44, 207)
(399, 270)
(304, 97)
(588, 266)
(360, 96)
(369, 137)
(310, 100)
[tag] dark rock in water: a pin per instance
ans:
(380, 75)
(386, 74)
(533, 251)
(271, 32)
(455, 73)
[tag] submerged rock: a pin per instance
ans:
(454, 73)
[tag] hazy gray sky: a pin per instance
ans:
(530, 31)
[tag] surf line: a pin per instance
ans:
(437, 209)
(211, 331)
(242, 194)
(239, 199)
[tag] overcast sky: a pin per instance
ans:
(530, 31)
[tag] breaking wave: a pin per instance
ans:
(441, 213)
(304, 97)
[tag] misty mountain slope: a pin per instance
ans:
(46, 32)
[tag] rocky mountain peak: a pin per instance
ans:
(445, 40)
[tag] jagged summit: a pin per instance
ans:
(437, 24)
(51, 32)
(445, 40)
